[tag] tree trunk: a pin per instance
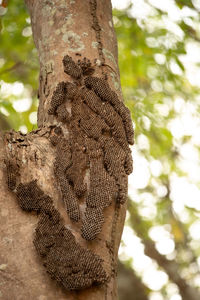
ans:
(63, 186)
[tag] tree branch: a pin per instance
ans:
(130, 284)
(171, 267)
(15, 66)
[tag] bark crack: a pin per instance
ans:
(97, 29)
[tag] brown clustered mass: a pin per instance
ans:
(106, 111)
(103, 90)
(86, 66)
(58, 97)
(102, 191)
(71, 68)
(62, 164)
(100, 131)
(12, 174)
(64, 259)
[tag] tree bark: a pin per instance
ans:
(78, 29)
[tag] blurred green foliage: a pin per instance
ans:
(155, 83)
(154, 76)
(18, 62)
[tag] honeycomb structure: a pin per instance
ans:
(92, 163)
(103, 90)
(64, 259)
(58, 97)
(71, 68)
(12, 174)
(102, 191)
(100, 133)
(86, 66)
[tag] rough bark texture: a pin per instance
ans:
(63, 199)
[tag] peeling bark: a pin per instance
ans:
(54, 168)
